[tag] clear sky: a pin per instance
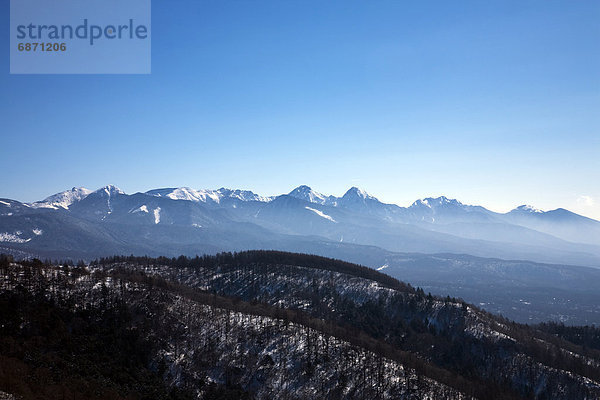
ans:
(495, 103)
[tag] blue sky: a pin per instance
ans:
(493, 103)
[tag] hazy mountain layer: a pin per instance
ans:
(184, 220)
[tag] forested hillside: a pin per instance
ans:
(266, 325)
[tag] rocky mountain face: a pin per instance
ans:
(266, 325)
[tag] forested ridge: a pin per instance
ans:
(59, 319)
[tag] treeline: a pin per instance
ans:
(7, 259)
(262, 257)
(585, 336)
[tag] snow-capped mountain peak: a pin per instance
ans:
(430, 224)
(207, 195)
(109, 190)
(421, 203)
(433, 202)
(358, 199)
(243, 195)
(304, 192)
(63, 199)
(529, 209)
(355, 192)
(188, 194)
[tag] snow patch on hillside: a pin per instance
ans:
(143, 209)
(157, 215)
(321, 214)
(13, 237)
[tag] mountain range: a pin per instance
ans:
(438, 243)
(174, 221)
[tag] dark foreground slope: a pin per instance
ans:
(69, 333)
(266, 325)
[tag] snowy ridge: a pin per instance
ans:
(188, 194)
(207, 195)
(63, 199)
(243, 195)
(109, 190)
(353, 196)
(432, 202)
(430, 225)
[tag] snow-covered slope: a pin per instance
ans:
(185, 193)
(207, 195)
(446, 332)
(307, 194)
(63, 199)
(243, 195)
(202, 344)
